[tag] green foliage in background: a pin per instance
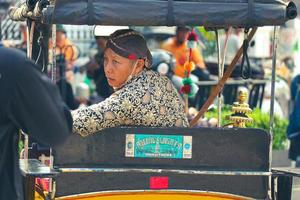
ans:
(208, 38)
(261, 120)
(21, 143)
(21, 146)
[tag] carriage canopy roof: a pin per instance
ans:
(209, 13)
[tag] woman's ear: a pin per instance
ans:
(140, 64)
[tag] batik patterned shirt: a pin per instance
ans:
(148, 99)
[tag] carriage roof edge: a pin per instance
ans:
(214, 14)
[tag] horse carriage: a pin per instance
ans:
(160, 163)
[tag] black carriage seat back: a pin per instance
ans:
(213, 149)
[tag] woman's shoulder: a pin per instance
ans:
(149, 80)
(160, 82)
(154, 76)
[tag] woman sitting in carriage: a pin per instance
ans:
(141, 96)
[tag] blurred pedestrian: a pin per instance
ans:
(178, 46)
(293, 130)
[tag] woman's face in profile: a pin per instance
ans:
(116, 68)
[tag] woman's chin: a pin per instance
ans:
(112, 84)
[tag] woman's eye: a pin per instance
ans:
(116, 62)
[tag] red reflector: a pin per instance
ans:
(159, 182)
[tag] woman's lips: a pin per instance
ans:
(110, 79)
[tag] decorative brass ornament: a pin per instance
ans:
(240, 110)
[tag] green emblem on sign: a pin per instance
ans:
(158, 146)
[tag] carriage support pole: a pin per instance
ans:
(271, 122)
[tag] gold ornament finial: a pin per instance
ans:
(243, 96)
(240, 110)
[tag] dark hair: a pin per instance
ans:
(182, 28)
(104, 37)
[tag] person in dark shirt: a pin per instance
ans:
(28, 101)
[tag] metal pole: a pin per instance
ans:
(219, 78)
(221, 63)
(30, 30)
(225, 50)
(31, 39)
(274, 44)
(53, 69)
(176, 171)
(53, 78)
(28, 38)
(52, 185)
(274, 49)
